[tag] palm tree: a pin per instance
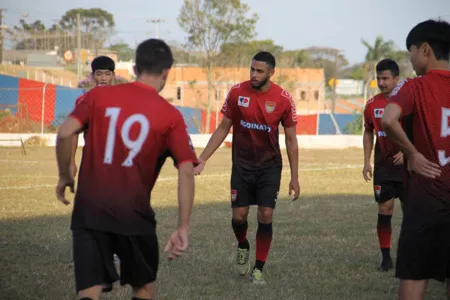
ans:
(379, 50)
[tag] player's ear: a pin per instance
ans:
(165, 74)
(135, 71)
(271, 71)
(426, 49)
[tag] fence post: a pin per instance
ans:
(43, 109)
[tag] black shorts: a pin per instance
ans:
(93, 258)
(255, 187)
(423, 251)
(387, 190)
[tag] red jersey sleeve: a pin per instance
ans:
(83, 109)
(289, 118)
(228, 105)
(368, 122)
(403, 96)
(179, 142)
(79, 99)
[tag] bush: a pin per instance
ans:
(36, 141)
(355, 126)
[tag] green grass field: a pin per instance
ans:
(325, 244)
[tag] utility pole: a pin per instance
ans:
(335, 75)
(79, 71)
(156, 22)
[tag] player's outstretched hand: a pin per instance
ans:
(199, 168)
(294, 186)
(61, 189)
(177, 243)
(420, 165)
(398, 159)
(367, 172)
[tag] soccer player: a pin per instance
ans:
(388, 163)
(132, 130)
(255, 109)
(103, 74)
(424, 243)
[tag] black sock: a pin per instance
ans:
(240, 231)
(85, 298)
(136, 298)
(259, 264)
(386, 252)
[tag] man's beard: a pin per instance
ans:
(258, 87)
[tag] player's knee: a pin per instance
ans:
(386, 208)
(265, 215)
(240, 214)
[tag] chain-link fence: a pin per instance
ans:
(36, 107)
(39, 109)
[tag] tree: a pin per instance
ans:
(294, 59)
(332, 61)
(95, 21)
(124, 52)
(239, 54)
(26, 35)
(212, 23)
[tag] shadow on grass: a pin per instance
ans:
(324, 247)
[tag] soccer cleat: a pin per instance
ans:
(116, 260)
(386, 265)
(242, 261)
(257, 277)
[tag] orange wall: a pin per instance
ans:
(194, 88)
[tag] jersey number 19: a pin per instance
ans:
(135, 146)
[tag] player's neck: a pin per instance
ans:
(264, 88)
(439, 65)
(151, 81)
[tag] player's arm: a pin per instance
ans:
(74, 153)
(216, 139)
(402, 103)
(77, 120)
(180, 147)
(64, 145)
(367, 145)
(289, 122)
(222, 130)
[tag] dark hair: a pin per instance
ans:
(388, 65)
(102, 63)
(266, 57)
(153, 56)
(434, 32)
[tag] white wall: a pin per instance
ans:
(200, 140)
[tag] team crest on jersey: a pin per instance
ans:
(243, 101)
(377, 189)
(233, 195)
(378, 113)
(270, 106)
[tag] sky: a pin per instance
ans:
(293, 24)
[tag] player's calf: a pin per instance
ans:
(263, 241)
(384, 232)
(243, 249)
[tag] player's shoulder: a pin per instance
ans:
(283, 94)
(80, 98)
(406, 83)
(375, 99)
